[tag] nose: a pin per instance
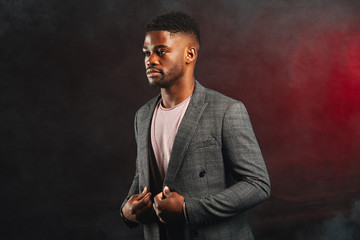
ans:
(152, 60)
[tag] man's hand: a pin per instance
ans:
(139, 208)
(168, 206)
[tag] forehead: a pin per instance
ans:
(156, 38)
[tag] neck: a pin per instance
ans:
(177, 92)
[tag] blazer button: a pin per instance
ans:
(202, 174)
(194, 233)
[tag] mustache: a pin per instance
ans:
(153, 69)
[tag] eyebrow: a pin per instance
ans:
(157, 46)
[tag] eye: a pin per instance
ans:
(146, 53)
(161, 52)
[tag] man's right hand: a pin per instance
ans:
(139, 208)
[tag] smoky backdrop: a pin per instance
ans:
(72, 77)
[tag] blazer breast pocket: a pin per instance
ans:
(203, 144)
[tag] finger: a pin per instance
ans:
(146, 212)
(147, 197)
(158, 197)
(149, 204)
(161, 220)
(166, 191)
(157, 211)
(155, 206)
(140, 196)
(141, 203)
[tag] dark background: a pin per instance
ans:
(72, 78)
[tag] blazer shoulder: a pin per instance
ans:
(143, 111)
(216, 98)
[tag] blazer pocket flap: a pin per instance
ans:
(202, 143)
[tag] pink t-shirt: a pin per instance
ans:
(164, 126)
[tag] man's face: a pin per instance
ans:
(164, 58)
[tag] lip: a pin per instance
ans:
(152, 72)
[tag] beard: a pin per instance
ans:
(167, 79)
(158, 81)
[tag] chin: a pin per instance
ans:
(157, 83)
(153, 83)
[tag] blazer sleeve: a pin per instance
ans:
(242, 155)
(134, 189)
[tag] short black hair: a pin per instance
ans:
(175, 22)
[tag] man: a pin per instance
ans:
(198, 166)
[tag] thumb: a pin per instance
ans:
(167, 191)
(141, 195)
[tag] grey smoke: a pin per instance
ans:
(340, 227)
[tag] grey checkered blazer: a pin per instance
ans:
(216, 164)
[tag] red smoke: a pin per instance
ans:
(309, 129)
(329, 95)
(301, 84)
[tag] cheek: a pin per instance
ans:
(174, 64)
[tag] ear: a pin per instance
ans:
(191, 55)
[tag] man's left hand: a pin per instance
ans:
(169, 206)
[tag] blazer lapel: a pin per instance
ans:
(185, 132)
(143, 140)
